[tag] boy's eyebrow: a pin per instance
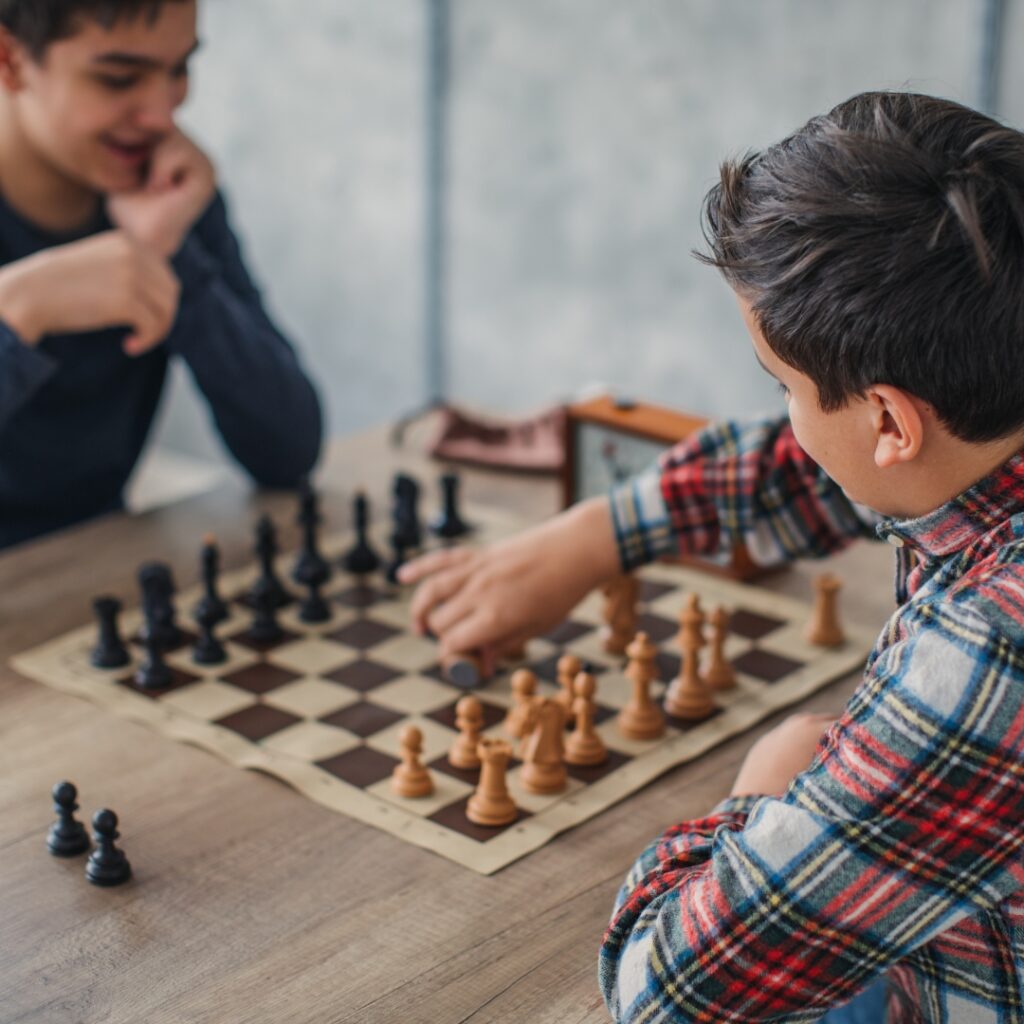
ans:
(124, 58)
(765, 368)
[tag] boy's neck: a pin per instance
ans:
(34, 188)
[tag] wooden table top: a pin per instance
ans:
(251, 903)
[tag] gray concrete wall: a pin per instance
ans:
(583, 135)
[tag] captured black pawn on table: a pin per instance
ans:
(67, 836)
(450, 524)
(211, 606)
(110, 651)
(107, 864)
(361, 558)
(266, 549)
(157, 586)
(311, 569)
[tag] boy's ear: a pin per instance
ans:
(12, 61)
(897, 423)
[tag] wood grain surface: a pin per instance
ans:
(252, 904)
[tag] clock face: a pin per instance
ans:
(605, 457)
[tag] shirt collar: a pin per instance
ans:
(965, 519)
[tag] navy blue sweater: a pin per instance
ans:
(75, 410)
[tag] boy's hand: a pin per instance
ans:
(779, 756)
(487, 599)
(178, 186)
(106, 280)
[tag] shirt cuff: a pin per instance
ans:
(643, 530)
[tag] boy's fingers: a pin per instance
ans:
(442, 617)
(473, 633)
(432, 592)
(419, 568)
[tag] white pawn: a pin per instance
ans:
(410, 778)
(469, 717)
(583, 746)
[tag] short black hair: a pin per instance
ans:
(883, 243)
(37, 23)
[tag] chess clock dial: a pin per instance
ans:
(609, 440)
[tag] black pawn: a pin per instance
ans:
(266, 551)
(110, 651)
(361, 558)
(153, 673)
(309, 564)
(399, 551)
(405, 512)
(67, 837)
(107, 865)
(450, 524)
(314, 608)
(211, 605)
(208, 650)
(157, 585)
(265, 628)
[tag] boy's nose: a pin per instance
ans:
(156, 113)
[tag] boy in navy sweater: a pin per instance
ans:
(116, 254)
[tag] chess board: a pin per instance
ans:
(323, 707)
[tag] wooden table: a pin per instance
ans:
(251, 904)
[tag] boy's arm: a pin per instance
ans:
(262, 402)
(910, 818)
(23, 371)
(735, 482)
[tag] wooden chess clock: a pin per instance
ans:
(609, 439)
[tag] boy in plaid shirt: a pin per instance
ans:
(877, 257)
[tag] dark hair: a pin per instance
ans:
(37, 23)
(883, 243)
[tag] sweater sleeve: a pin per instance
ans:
(910, 819)
(23, 370)
(263, 404)
(733, 482)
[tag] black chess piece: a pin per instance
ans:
(157, 585)
(67, 836)
(313, 607)
(309, 563)
(265, 629)
(450, 524)
(361, 558)
(107, 865)
(110, 651)
(266, 551)
(211, 606)
(399, 551)
(153, 673)
(208, 650)
(405, 512)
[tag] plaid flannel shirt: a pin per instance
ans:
(898, 850)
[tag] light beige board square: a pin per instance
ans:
(535, 802)
(209, 700)
(415, 695)
(591, 648)
(589, 609)
(312, 697)
(393, 613)
(311, 741)
(237, 657)
(289, 619)
(446, 791)
(614, 740)
(312, 655)
(614, 690)
(410, 652)
(436, 738)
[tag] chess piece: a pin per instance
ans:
(264, 629)
(543, 765)
(208, 650)
(153, 673)
(67, 836)
(210, 606)
(361, 559)
(313, 607)
(524, 687)
(406, 528)
(268, 583)
(619, 612)
(399, 550)
(490, 805)
(107, 865)
(469, 719)
(583, 746)
(824, 630)
(309, 563)
(641, 718)
(410, 778)
(466, 671)
(450, 524)
(687, 697)
(110, 651)
(567, 669)
(157, 586)
(719, 674)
